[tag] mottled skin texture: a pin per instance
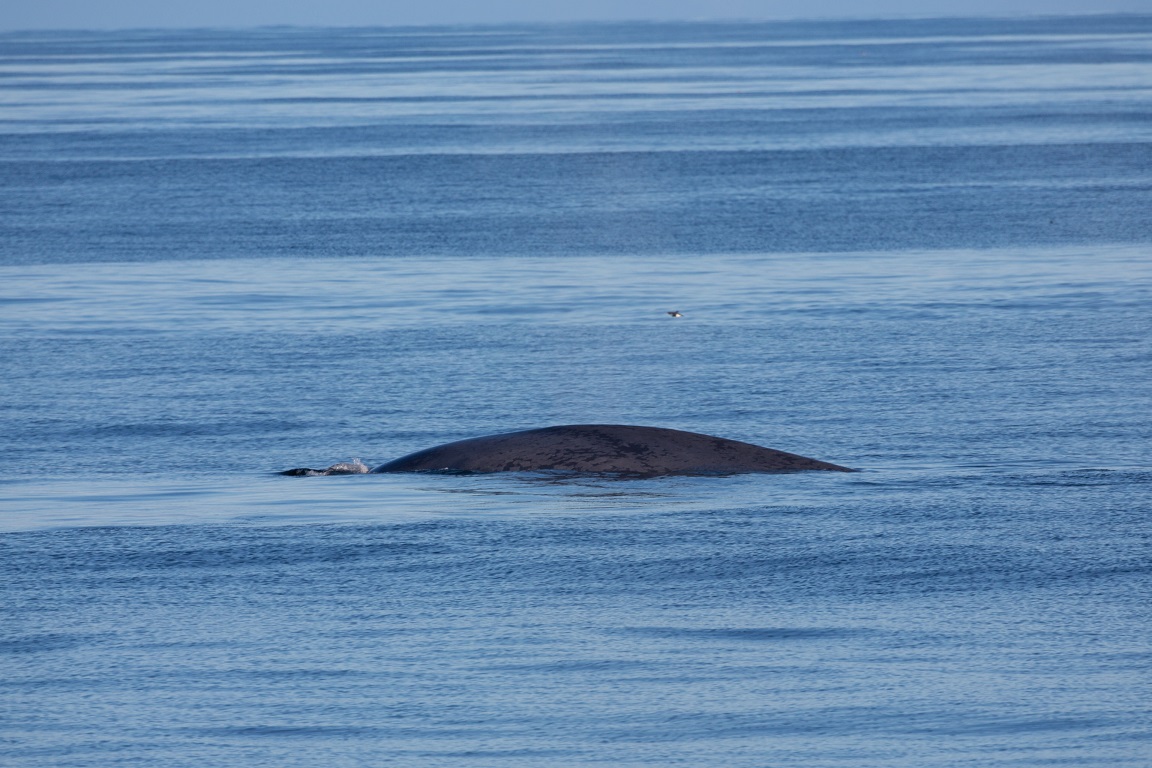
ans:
(609, 448)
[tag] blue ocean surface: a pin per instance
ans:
(919, 248)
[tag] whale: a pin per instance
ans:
(593, 449)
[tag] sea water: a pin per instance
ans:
(919, 248)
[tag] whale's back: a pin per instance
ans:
(606, 448)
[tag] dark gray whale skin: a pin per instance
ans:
(605, 448)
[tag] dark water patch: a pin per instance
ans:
(576, 666)
(515, 754)
(289, 674)
(19, 300)
(753, 634)
(1083, 478)
(297, 731)
(962, 727)
(689, 727)
(48, 643)
(1123, 660)
(843, 721)
(400, 731)
(127, 550)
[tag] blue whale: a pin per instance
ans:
(594, 448)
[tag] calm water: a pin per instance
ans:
(918, 248)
